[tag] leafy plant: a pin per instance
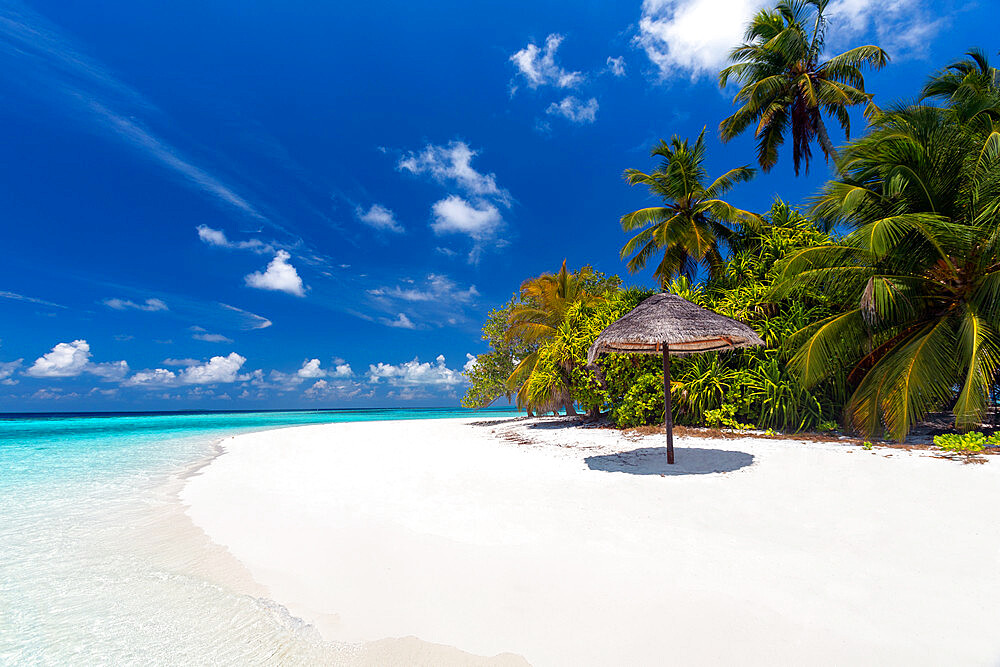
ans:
(972, 442)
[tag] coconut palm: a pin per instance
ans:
(919, 275)
(786, 87)
(969, 84)
(694, 224)
(545, 300)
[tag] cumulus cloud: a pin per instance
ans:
(217, 237)
(73, 359)
(157, 377)
(280, 276)
(216, 370)
(616, 65)
(451, 165)
(311, 369)
(475, 211)
(379, 217)
(414, 373)
(401, 322)
(7, 370)
(694, 37)
(150, 306)
(538, 67)
(574, 110)
(341, 370)
(455, 215)
(342, 390)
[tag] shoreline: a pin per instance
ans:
(556, 543)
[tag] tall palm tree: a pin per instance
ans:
(694, 224)
(786, 87)
(919, 275)
(545, 301)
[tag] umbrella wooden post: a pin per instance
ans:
(668, 416)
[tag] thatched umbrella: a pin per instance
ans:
(671, 325)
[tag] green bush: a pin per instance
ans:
(973, 442)
(642, 403)
(723, 417)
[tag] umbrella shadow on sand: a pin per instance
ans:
(653, 461)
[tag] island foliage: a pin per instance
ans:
(879, 302)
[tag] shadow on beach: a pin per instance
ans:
(688, 461)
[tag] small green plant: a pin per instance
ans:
(866, 445)
(972, 442)
(826, 426)
(724, 417)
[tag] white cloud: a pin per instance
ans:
(13, 296)
(211, 338)
(693, 37)
(180, 362)
(453, 214)
(248, 320)
(401, 322)
(318, 388)
(217, 369)
(158, 377)
(150, 306)
(575, 110)
(342, 370)
(451, 165)
(217, 237)
(538, 66)
(311, 369)
(436, 288)
(903, 27)
(7, 370)
(279, 276)
(616, 65)
(111, 371)
(65, 360)
(470, 362)
(413, 373)
(379, 217)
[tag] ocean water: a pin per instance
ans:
(99, 566)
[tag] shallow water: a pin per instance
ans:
(93, 567)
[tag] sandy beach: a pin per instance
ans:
(533, 541)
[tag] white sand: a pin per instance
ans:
(507, 538)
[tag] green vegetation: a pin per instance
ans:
(879, 304)
(785, 87)
(973, 442)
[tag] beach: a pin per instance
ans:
(543, 542)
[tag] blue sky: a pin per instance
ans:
(221, 205)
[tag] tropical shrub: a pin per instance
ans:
(972, 442)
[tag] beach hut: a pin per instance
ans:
(671, 325)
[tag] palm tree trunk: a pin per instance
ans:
(824, 141)
(570, 410)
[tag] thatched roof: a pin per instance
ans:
(683, 326)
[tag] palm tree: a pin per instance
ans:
(965, 82)
(919, 275)
(786, 88)
(545, 300)
(694, 224)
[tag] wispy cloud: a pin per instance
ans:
(150, 305)
(48, 62)
(28, 299)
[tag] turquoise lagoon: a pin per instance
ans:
(93, 569)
